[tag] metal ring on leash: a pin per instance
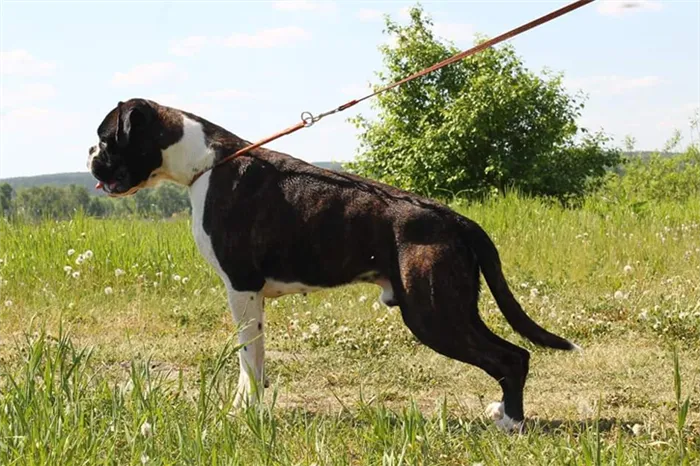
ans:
(308, 119)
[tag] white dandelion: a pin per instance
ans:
(185, 280)
(8, 303)
(146, 429)
(627, 269)
(67, 269)
(314, 328)
(88, 254)
(80, 259)
(70, 252)
(619, 295)
(376, 306)
(108, 290)
(362, 299)
(118, 272)
(76, 274)
(637, 429)
(176, 277)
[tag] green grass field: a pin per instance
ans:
(117, 347)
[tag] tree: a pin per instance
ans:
(5, 198)
(481, 125)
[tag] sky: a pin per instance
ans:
(253, 67)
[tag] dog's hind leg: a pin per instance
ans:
(438, 294)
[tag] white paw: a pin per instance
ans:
(496, 412)
(246, 396)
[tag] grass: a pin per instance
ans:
(133, 359)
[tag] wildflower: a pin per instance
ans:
(637, 430)
(534, 292)
(627, 269)
(71, 252)
(108, 290)
(362, 299)
(76, 274)
(144, 458)
(146, 429)
(376, 306)
(88, 254)
(118, 272)
(314, 328)
(185, 280)
(159, 274)
(176, 277)
(327, 305)
(80, 259)
(67, 268)
(8, 303)
(71, 305)
(619, 295)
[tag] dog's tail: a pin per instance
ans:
(490, 264)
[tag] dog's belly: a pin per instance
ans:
(274, 288)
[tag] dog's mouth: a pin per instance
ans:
(115, 188)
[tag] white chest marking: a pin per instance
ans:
(198, 195)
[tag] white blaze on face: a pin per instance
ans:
(92, 153)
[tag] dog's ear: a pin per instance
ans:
(132, 117)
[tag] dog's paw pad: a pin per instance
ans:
(495, 411)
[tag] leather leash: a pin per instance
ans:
(308, 119)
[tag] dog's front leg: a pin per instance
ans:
(247, 309)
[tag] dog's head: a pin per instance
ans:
(129, 154)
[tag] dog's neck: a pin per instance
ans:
(201, 146)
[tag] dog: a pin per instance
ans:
(271, 225)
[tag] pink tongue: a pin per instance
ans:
(99, 185)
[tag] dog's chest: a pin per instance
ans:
(198, 196)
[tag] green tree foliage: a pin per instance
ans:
(62, 202)
(479, 126)
(6, 193)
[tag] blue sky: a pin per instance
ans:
(252, 67)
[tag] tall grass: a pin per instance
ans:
(116, 347)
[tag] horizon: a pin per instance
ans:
(58, 90)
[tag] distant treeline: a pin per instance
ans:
(62, 202)
(639, 178)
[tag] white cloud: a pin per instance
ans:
(459, 33)
(21, 63)
(148, 73)
(267, 38)
(26, 94)
(38, 121)
(304, 5)
(264, 38)
(620, 7)
(368, 14)
(188, 46)
(228, 94)
(612, 85)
